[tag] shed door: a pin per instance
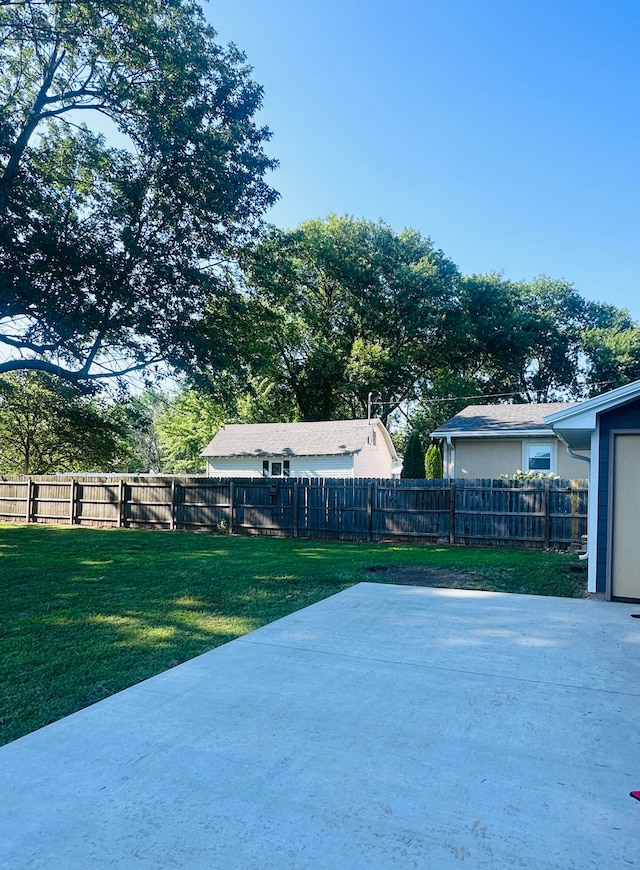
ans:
(625, 517)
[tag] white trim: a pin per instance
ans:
(451, 458)
(495, 433)
(592, 511)
(534, 442)
(278, 456)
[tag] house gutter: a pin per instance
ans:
(571, 451)
(494, 433)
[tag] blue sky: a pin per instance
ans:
(507, 131)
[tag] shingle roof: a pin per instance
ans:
(502, 418)
(327, 438)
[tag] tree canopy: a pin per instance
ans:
(344, 307)
(541, 341)
(46, 426)
(108, 255)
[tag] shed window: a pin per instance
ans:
(276, 468)
(539, 457)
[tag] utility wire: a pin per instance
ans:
(427, 399)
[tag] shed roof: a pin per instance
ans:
(501, 419)
(325, 438)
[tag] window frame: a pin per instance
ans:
(534, 444)
(283, 464)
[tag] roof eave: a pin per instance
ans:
(266, 455)
(592, 407)
(493, 433)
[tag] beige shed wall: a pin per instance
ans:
(481, 457)
(490, 458)
(570, 468)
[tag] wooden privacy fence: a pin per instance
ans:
(532, 513)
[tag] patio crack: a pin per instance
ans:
(427, 667)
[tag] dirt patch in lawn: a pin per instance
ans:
(408, 575)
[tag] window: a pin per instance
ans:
(276, 468)
(540, 457)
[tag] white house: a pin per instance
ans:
(334, 448)
(487, 441)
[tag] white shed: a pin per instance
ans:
(333, 448)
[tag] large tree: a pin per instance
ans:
(185, 426)
(46, 426)
(611, 344)
(342, 308)
(524, 338)
(108, 255)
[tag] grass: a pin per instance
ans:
(85, 612)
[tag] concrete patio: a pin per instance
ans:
(385, 727)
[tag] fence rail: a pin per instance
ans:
(537, 513)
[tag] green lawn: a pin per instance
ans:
(87, 612)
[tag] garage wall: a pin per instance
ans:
(625, 417)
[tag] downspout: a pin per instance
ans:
(572, 452)
(451, 457)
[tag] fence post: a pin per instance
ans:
(575, 507)
(172, 518)
(121, 495)
(72, 502)
(230, 507)
(295, 510)
(370, 494)
(29, 500)
(547, 514)
(452, 512)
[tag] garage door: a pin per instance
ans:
(625, 517)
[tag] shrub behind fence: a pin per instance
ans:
(525, 513)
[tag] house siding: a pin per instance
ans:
(491, 458)
(570, 468)
(625, 417)
(374, 460)
(301, 466)
(484, 458)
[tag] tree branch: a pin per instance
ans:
(17, 150)
(74, 377)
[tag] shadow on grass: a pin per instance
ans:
(87, 612)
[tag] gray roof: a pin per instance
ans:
(327, 438)
(486, 419)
